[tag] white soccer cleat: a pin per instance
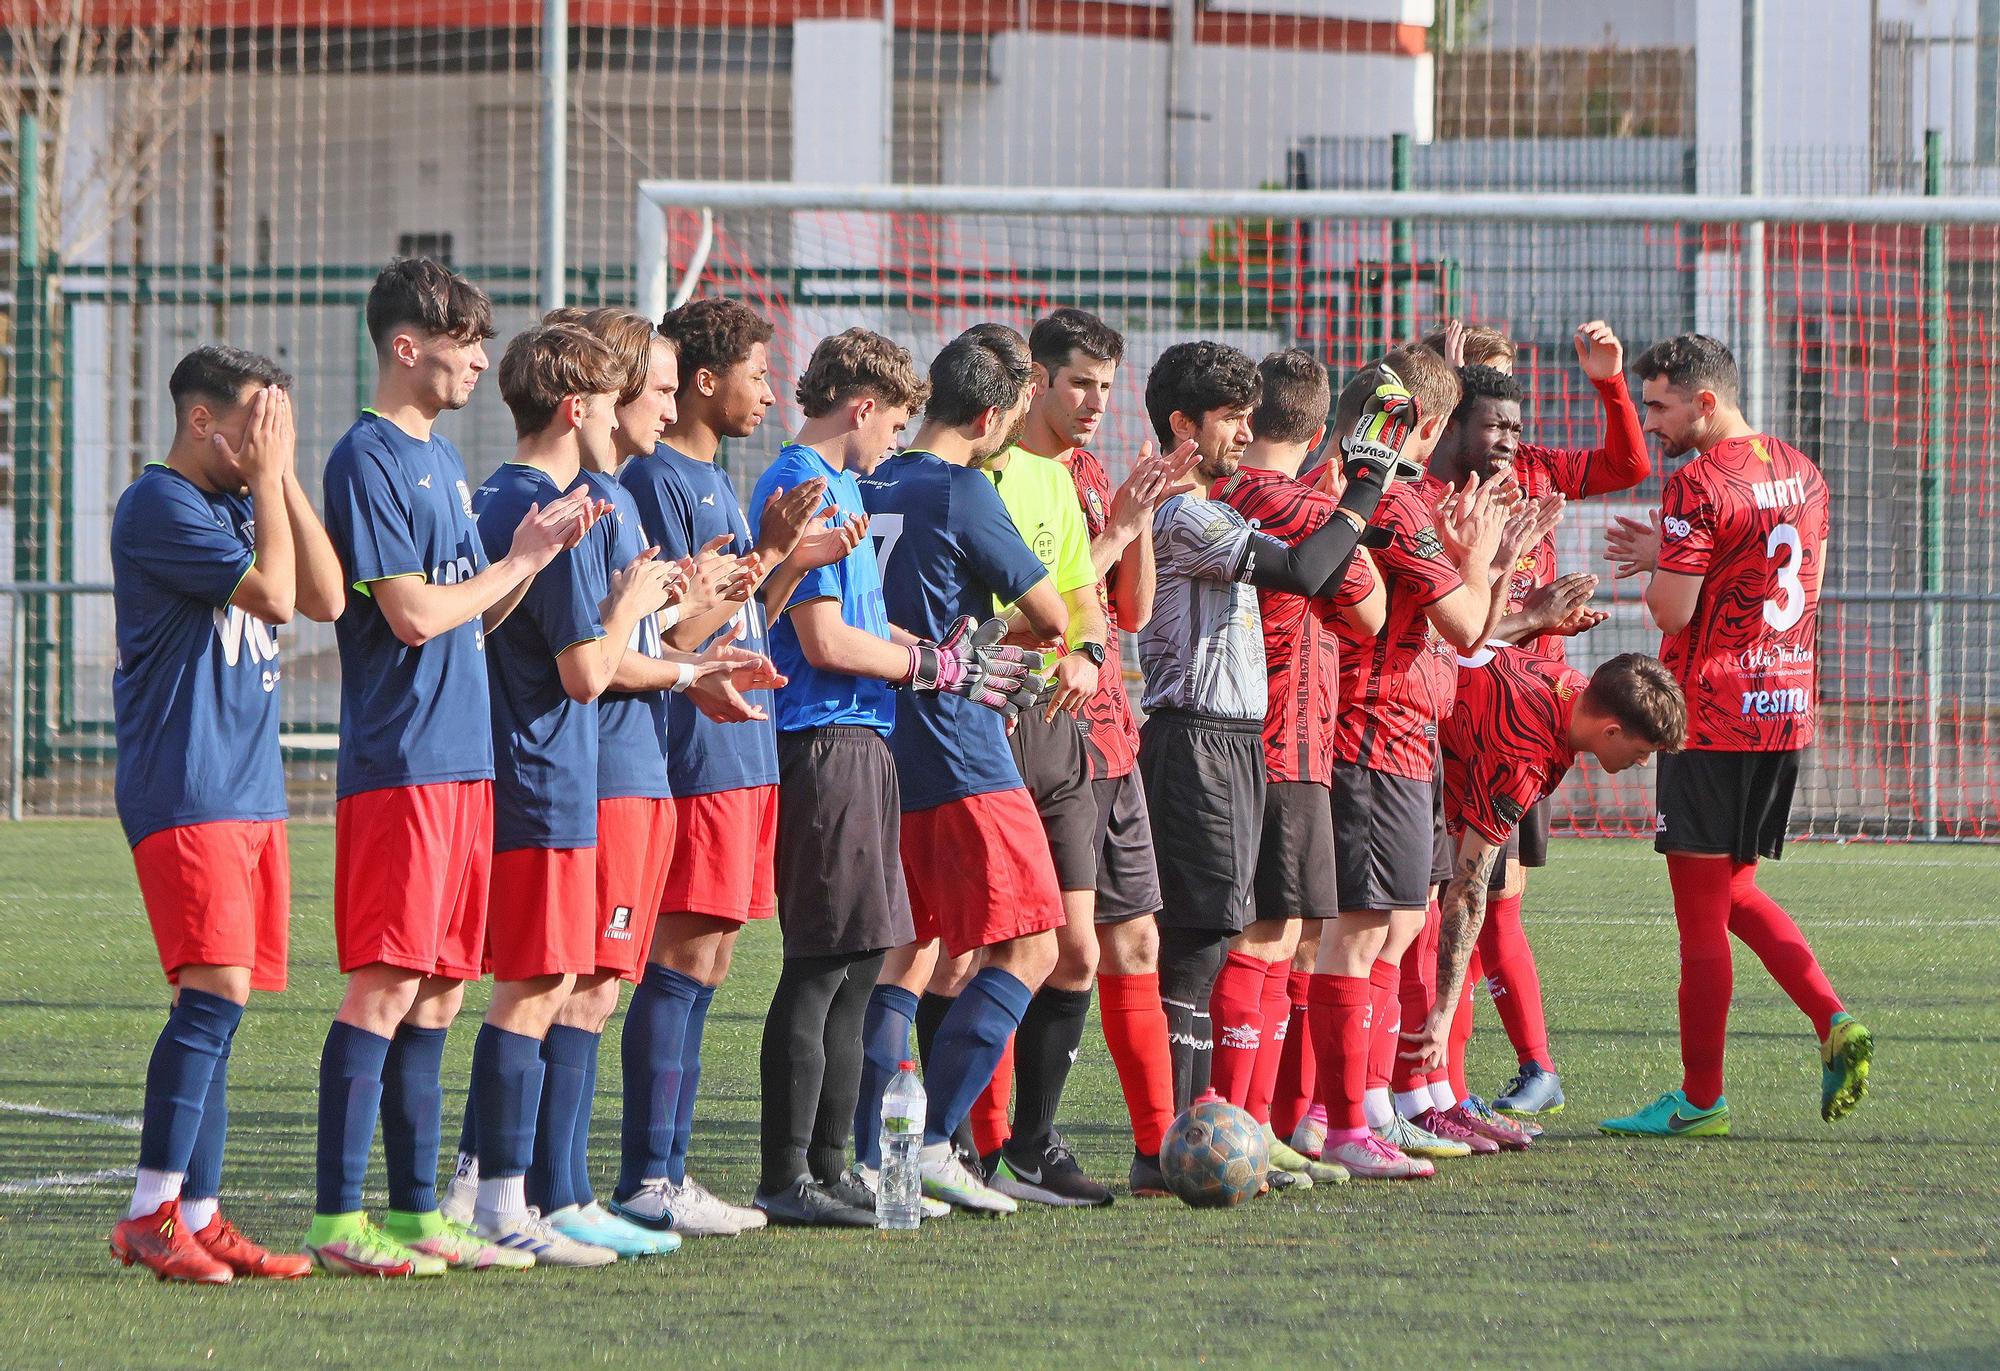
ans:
(531, 1233)
(693, 1193)
(947, 1180)
(872, 1179)
(1371, 1159)
(462, 1195)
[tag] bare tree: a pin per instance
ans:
(151, 75)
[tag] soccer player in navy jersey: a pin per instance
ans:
(413, 827)
(1293, 889)
(213, 548)
(978, 868)
(547, 665)
(724, 775)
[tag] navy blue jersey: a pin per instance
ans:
(631, 727)
(399, 506)
(811, 698)
(544, 742)
(948, 549)
(195, 692)
(683, 504)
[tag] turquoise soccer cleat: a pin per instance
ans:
(1671, 1116)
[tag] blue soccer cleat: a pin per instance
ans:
(1534, 1092)
(1671, 1116)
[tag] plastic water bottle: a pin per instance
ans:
(898, 1200)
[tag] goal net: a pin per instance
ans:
(1866, 329)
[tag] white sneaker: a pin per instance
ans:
(1309, 1139)
(928, 1207)
(946, 1179)
(530, 1232)
(697, 1212)
(462, 1194)
(1371, 1159)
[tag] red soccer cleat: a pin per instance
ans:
(227, 1245)
(161, 1243)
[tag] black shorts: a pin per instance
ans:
(839, 865)
(1204, 777)
(1444, 851)
(1733, 804)
(1056, 770)
(1295, 853)
(1128, 885)
(1383, 843)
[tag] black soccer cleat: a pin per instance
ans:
(806, 1204)
(1146, 1181)
(1053, 1178)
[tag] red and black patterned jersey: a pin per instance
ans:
(1506, 740)
(1750, 518)
(1301, 652)
(1108, 713)
(1577, 473)
(1396, 687)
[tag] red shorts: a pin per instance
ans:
(635, 841)
(410, 868)
(219, 894)
(725, 862)
(541, 913)
(979, 871)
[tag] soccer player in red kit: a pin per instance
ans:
(1737, 554)
(1251, 1005)
(1486, 437)
(1515, 729)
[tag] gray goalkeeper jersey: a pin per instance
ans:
(1203, 649)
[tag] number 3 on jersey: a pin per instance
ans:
(1788, 606)
(885, 529)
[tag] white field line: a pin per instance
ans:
(129, 1124)
(68, 1181)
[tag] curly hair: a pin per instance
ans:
(713, 334)
(1483, 383)
(860, 362)
(1196, 379)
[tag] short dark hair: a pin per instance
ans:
(714, 334)
(1297, 396)
(1196, 379)
(858, 362)
(217, 373)
(1062, 333)
(985, 367)
(1642, 695)
(1483, 383)
(418, 291)
(1691, 362)
(547, 363)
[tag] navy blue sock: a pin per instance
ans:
(507, 1070)
(650, 1054)
(350, 1097)
(677, 1160)
(204, 1168)
(969, 1044)
(195, 1039)
(566, 1054)
(468, 1128)
(579, 1148)
(885, 1045)
(413, 1116)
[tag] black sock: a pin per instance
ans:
(841, 1086)
(792, 1064)
(1045, 1046)
(1190, 960)
(931, 1009)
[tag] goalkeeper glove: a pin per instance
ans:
(1374, 451)
(977, 665)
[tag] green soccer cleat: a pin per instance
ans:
(1843, 1076)
(453, 1243)
(351, 1245)
(1671, 1116)
(1285, 1158)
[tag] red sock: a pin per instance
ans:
(1701, 908)
(1236, 1006)
(989, 1112)
(1515, 983)
(1769, 931)
(1135, 1029)
(1461, 1031)
(1384, 1018)
(1339, 1020)
(1297, 1070)
(1277, 1035)
(1415, 991)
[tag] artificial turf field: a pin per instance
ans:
(1791, 1243)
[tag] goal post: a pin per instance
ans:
(1878, 321)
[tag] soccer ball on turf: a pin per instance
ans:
(1215, 1155)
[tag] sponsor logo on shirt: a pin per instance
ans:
(1426, 543)
(1676, 527)
(240, 634)
(1045, 547)
(1772, 703)
(465, 499)
(621, 924)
